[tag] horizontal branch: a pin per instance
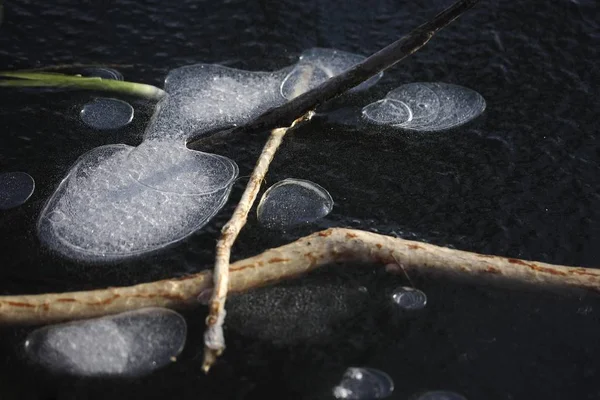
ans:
(292, 260)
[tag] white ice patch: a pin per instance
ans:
(426, 106)
(101, 213)
(128, 344)
(205, 97)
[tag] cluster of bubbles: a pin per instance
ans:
(426, 107)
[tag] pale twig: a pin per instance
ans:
(295, 259)
(214, 342)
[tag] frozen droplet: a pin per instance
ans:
(409, 298)
(364, 384)
(102, 72)
(107, 215)
(106, 113)
(441, 395)
(388, 111)
(171, 167)
(129, 344)
(317, 65)
(434, 106)
(291, 202)
(15, 189)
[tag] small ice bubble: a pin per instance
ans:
(434, 106)
(291, 202)
(409, 298)
(15, 189)
(128, 344)
(106, 113)
(441, 395)
(364, 384)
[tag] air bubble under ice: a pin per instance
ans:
(317, 65)
(119, 201)
(364, 384)
(408, 298)
(426, 106)
(292, 202)
(106, 113)
(15, 189)
(129, 344)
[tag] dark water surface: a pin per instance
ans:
(522, 181)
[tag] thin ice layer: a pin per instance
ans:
(434, 106)
(100, 213)
(205, 97)
(317, 65)
(128, 344)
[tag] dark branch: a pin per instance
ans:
(285, 114)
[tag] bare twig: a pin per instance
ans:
(214, 341)
(339, 84)
(295, 259)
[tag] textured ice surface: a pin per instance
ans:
(15, 189)
(100, 212)
(316, 66)
(364, 384)
(409, 298)
(432, 106)
(176, 169)
(440, 395)
(106, 113)
(291, 202)
(128, 344)
(205, 97)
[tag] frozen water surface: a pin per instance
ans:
(434, 106)
(106, 113)
(291, 202)
(364, 384)
(128, 344)
(15, 189)
(317, 65)
(100, 213)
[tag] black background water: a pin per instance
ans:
(520, 181)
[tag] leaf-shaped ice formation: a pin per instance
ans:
(129, 344)
(316, 66)
(100, 213)
(433, 106)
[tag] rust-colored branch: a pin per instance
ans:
(295, 259)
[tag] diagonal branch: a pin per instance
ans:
(339, 84)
